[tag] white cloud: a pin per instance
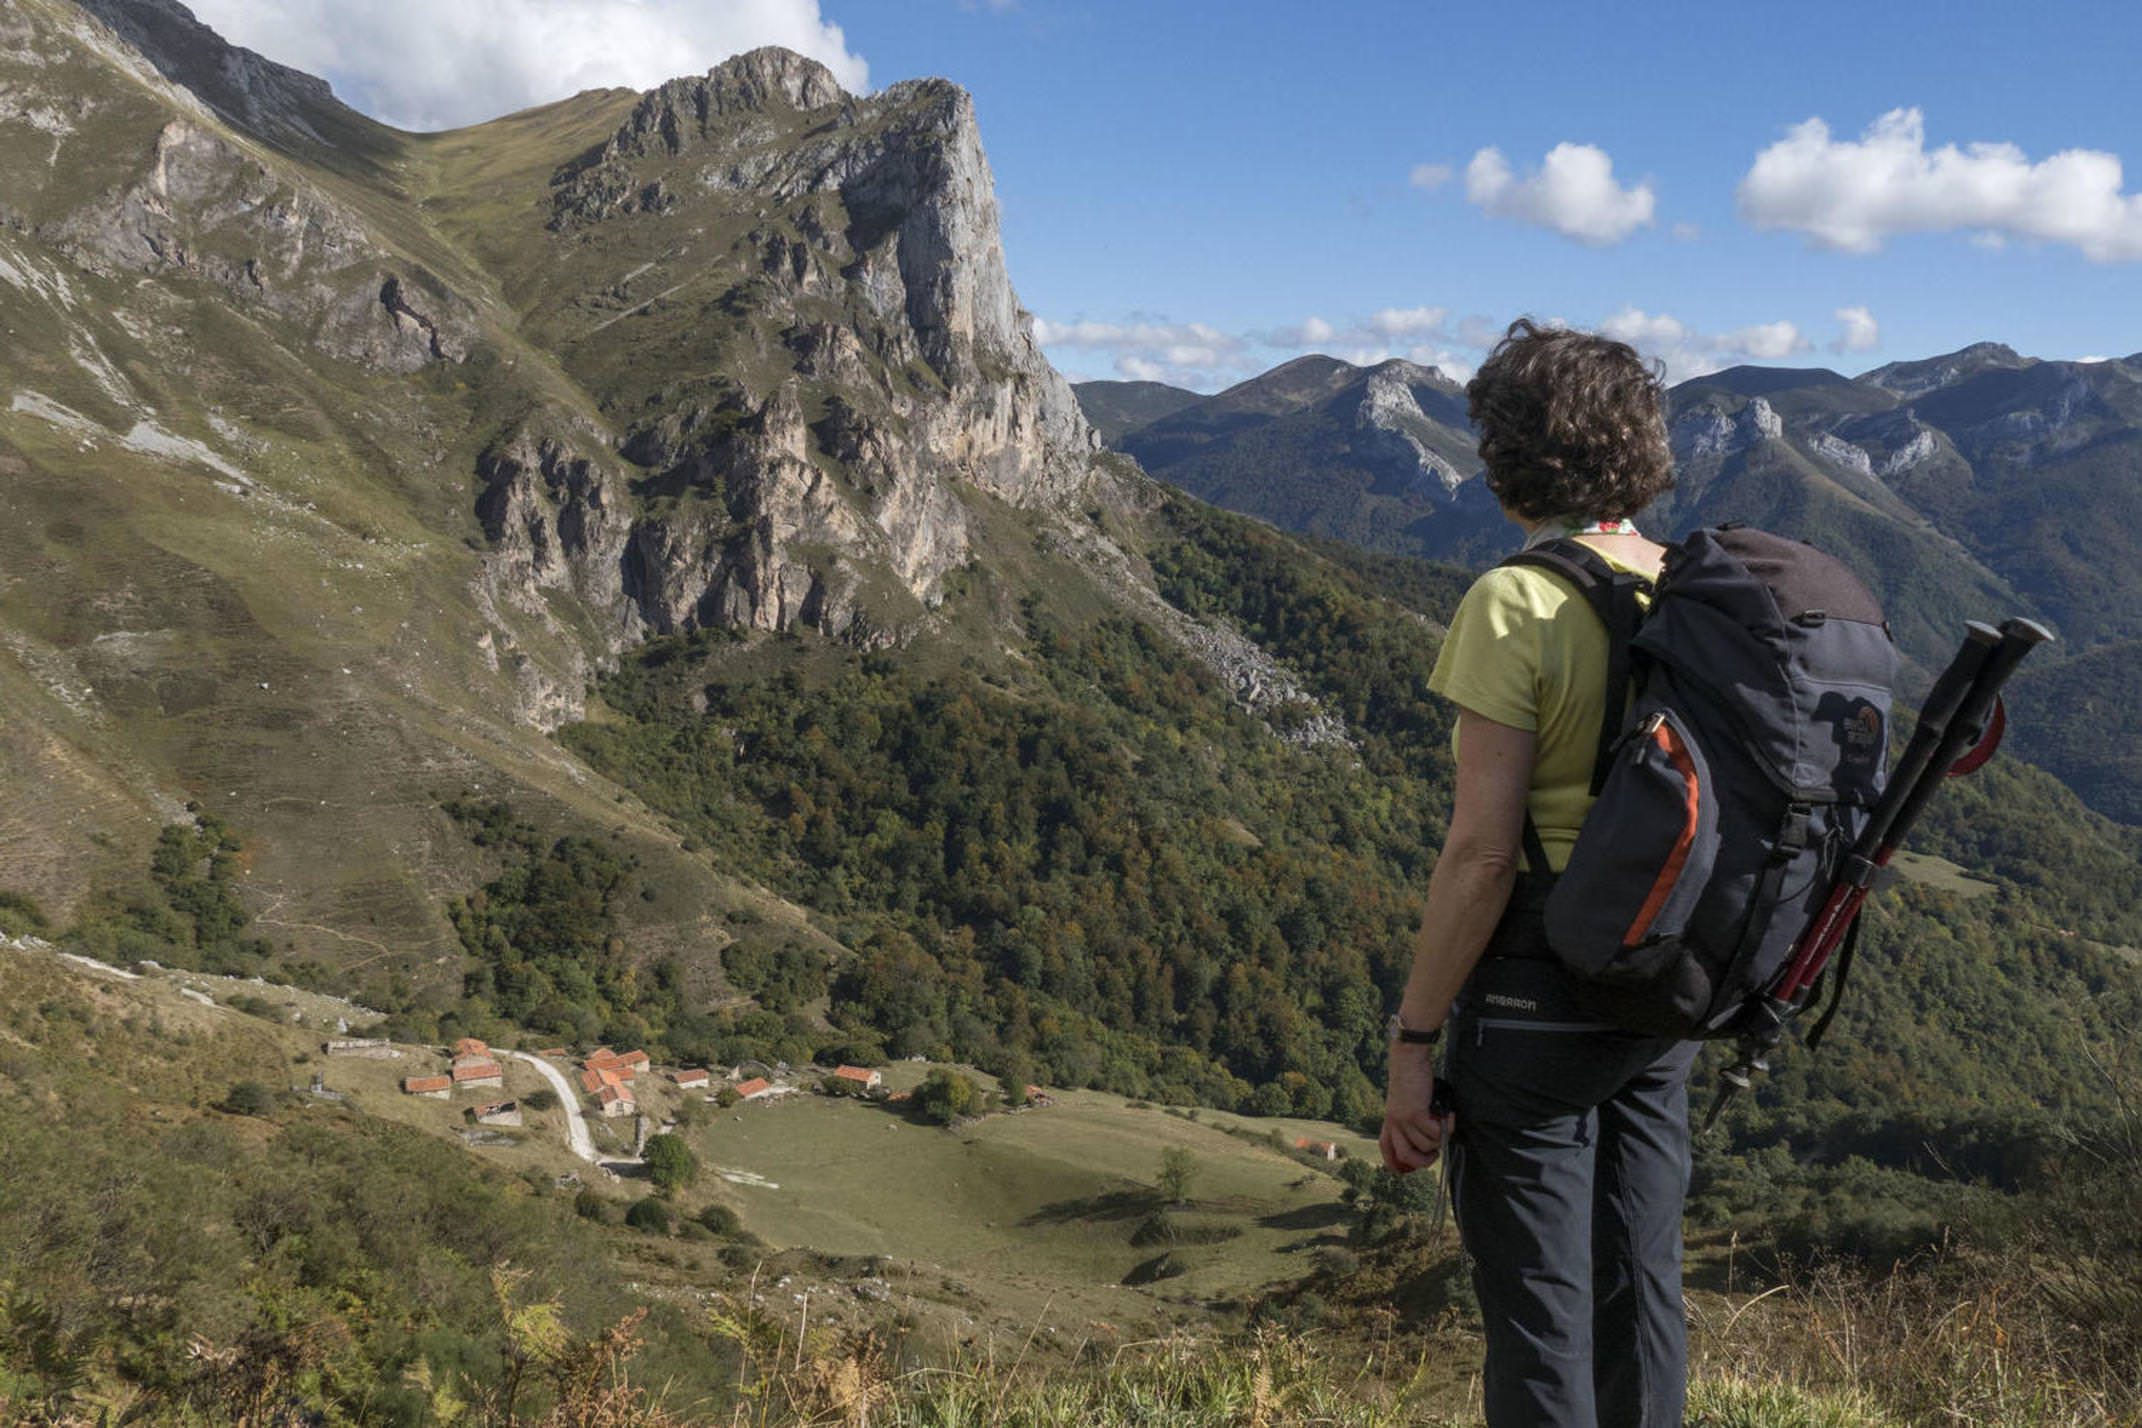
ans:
(1689, 353)
(1854, 194)
(1183, 354)
(1408, 321)
(1861, 333)
(1430, 176)
(1573, 193)
(423, 64)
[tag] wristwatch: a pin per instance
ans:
(1403, 1035)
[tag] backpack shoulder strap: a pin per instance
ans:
(1612, 594)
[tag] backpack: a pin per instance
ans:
(1730, 792)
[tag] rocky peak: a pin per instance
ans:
(687, 112)
(875, 368)
(1715, 430)
(287, 108)
(1910, 380)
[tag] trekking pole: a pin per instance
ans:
(1958, 729)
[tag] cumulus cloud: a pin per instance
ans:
(421, 64)
(1860, 332)
(1183, 354)
(1573, 193)
(1431, 176)
(1202, 357)
(1854, 194)
(1687, 352)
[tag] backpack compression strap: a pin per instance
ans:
(1612, 594)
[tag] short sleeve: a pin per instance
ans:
(1490, 660)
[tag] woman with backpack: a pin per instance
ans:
(1568, 1137)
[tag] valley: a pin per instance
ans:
(625, 575)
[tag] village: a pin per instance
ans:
(610, 1101)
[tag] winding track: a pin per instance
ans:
(576, 1126)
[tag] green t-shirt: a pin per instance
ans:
(1526, 650)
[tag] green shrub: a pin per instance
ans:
(248, 1098)
(670, 1163)
(651, 1216)
(20, 916)
(944, 1096)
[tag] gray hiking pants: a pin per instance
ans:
(1569, 1166)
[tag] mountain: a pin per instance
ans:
(383, 501)
(1981, 483)
(1118, 407)
(342, 458)
(623, 574)
(1375, 456)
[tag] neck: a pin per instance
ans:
(1556, 527)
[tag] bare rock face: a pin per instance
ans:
(888, 378)
(202, 207)
(194, 140)
(1390, 422)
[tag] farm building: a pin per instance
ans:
(470, 1046)
(611, 1091)
(626, 1064)
(497, 1113)
(436, 1087)
(755, 1088)
(694, 1078)
(472, 1073)
(859, 1075)
(372, 1048)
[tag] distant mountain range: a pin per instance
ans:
(1979, 483)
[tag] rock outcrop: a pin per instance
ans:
(897, 379)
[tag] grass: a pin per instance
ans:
(1035, 1210)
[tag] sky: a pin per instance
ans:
(1196, 190)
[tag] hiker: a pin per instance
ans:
(1568, 1138)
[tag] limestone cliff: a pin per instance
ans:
(871, 375)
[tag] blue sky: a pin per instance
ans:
(1194, 191)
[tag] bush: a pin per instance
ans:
(944, 1097)
(248, 1098)
(721, 1220)
(670, 1163)
(1178, 1171)
(543, 1100)
(590, 1205)
(19, 915)
(650, 1216)
(1159, 1267)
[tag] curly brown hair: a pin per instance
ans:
(1570, 424)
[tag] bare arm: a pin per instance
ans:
(1467, 893)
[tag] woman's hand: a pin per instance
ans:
(1412, 1133)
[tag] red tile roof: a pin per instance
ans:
(470, 1046)
(752, 1087)
(691, 1076)
(856, 1073)
(481, 1111)
(478, 1071)
(419, 1085)
(612, 1092)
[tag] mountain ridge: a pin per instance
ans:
(1977, 481)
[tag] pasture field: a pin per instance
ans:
(1026, 1208)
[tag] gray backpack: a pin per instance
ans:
(1739, 778)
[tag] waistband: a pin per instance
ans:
(1522, 932)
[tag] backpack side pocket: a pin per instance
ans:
(1642, 860)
